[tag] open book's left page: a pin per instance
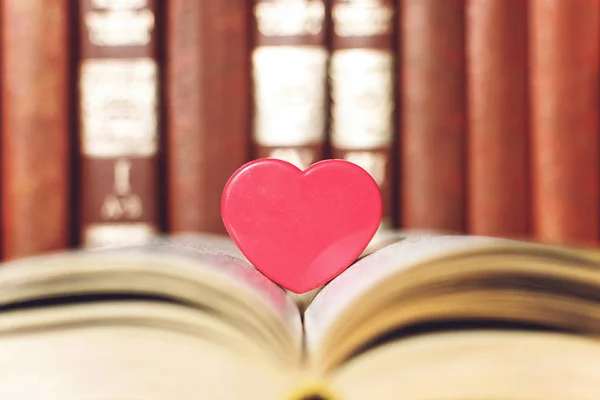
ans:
(199, 273)
(222, 265)
(169, 319)
(222, 256)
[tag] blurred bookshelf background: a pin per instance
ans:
(122, 119)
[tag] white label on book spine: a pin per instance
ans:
(119, 107)
(289, 90)
(362, 88)
(119, 23)
(117, 235)
(300, 157)
(374, 163)
(290, 17)
(362, 18)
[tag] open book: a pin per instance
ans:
(427, 317)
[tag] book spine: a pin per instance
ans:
(35, 126)
(362, 90)
(208, 107)
(289, 71)
(497, 97)
(432, 71)
(564, 99)
(118, 89)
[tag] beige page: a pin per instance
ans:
(228, 331)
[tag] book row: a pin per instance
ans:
(124, 118)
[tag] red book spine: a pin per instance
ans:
(433, 119)
(208, 107)
(564, 99)
(496, 37)
(362, 90)
(289, 70)
(34, 152)
(118, 95)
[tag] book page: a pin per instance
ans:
(386, 237)
(205, 241)
(221, 255)
(360, 277)
(200, 271)
(224, 244)
(131, 350)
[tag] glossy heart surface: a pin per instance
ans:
(301, 228)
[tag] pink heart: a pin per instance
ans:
(301, 228)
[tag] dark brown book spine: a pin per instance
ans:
(433, 116)
(362, 90)
(497, 95)
(34, 153)
(118, 88)
(208, 107)
(289, 70)
(564, 99)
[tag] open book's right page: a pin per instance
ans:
(360, 277)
